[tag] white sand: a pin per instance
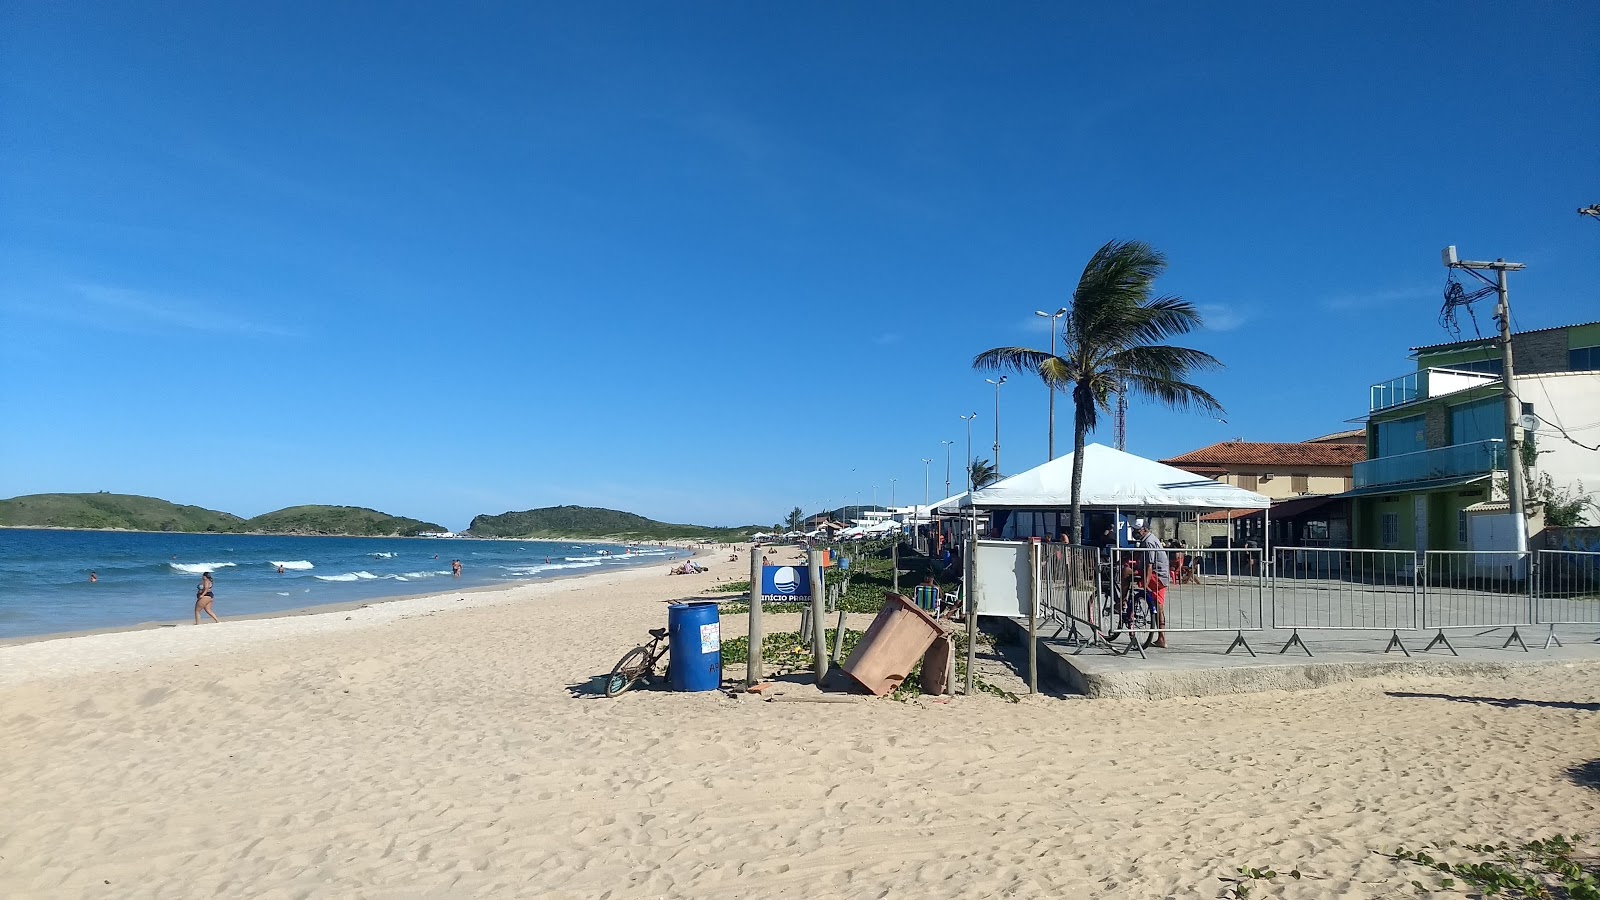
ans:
(445, 748)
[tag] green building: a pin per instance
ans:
(1436, 438)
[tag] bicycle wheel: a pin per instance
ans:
(629, 669)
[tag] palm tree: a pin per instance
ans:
(983, 474)
(1112, 337)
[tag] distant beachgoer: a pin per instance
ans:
(93, 578)
(926, 595)
(455, 567)
(203, 598)
(280, 570)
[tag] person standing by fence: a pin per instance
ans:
(1158, 575)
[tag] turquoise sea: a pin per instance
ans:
(45, 586)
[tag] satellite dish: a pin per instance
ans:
(1529, 422)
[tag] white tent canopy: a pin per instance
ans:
(1112, 478)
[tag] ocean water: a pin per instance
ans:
(45, 588)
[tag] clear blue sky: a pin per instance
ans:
(709, 261)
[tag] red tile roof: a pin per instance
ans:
(1252, 453)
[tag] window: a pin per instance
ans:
(1390, 536)
(1480, 421)
(1300, 484)
(1487, 366)
(1400, 436)
(1461, 528)
(1583, 359)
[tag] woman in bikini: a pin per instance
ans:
(203, 599)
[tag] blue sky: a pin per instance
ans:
(706, 261)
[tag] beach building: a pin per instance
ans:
(1304, 479)
(1435, 476)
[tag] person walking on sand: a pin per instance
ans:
(203, 599)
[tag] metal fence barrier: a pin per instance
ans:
(1344, 590)
(1083, 592)
(1488, 589)
(1566, 590)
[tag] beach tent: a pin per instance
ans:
(1112, 478)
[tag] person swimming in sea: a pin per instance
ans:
(203, 598)
(280, 570)
(93, 578)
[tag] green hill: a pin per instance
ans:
(592, 522)
(352, 520)
(111, 511)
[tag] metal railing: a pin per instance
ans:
(1566, 589)
(1344, 590)
(1423, 384)
(1083, 592)
(1476, 458)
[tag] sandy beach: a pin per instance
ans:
(454, 746)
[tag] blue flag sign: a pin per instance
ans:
(785, 581)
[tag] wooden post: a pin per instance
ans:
(967, 593)
(838, 639)
(1036, 554)
(894, 558)
(819, 643)
(752, 666)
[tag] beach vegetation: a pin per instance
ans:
(1546, 869)
(1114, 337)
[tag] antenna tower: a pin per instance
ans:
(1120, 426)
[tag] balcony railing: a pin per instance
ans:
(1460, 460)
(1425, 383)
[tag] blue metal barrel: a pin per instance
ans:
(694, 631)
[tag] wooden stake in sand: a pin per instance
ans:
(752, 666)
(819, 643)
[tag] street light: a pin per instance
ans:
(891, 492)
(1052, 317)
(947, 446)
(996, 421)
(874, 496)
(968, 420)
(925, 464)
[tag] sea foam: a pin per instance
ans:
(298, 565)
(198, 568)
(348, 576)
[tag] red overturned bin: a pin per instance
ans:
(892, 646)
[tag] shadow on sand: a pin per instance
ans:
(1586, 774)
(1506, 702)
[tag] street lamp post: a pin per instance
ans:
(996, 421)
(968, 420)
(891, 492)
(925, 464)
(947, 446)
(1052, 317)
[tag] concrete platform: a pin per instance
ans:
(1196, 664)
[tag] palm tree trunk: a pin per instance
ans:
(1080, 431)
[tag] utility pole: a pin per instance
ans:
(925, 464)
(947, 446)
(1516, 488)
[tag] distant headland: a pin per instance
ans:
(128, 512)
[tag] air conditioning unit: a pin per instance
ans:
(1268, 476)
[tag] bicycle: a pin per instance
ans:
(638, 663)
(1135, 612)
